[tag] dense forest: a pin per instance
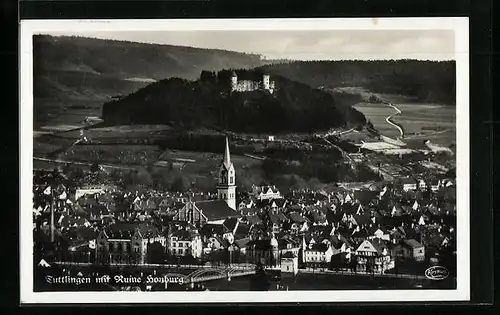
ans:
(293, 107)
(428, 81)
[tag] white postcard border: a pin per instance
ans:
(30, 27)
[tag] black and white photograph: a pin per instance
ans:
(284, 160)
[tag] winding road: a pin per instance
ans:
(388, 120)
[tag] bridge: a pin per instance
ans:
(208, 274)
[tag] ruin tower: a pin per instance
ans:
(234, 81)
(266, 82)
(226, 183)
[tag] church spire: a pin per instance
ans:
(227, 156)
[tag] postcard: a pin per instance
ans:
(245, 160)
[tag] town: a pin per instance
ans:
(383, 228)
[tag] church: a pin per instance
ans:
(218, 210)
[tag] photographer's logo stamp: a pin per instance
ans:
(437, 273)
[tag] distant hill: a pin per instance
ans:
(428, 81)
(207, 103)
(69, 70)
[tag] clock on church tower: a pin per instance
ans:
(226, 186)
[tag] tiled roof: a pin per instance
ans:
(349, 208)
(379, 245)
(216, 209)
(363, 219)
(408, 180)
(249, 211)
(318, 217)
(182, 235)
(242, 243)
(124, 230)
(319, 247)
(260, 244)
(365, 196)
(254, 220)
(230, 224)
(412, 243)
(212, 229)
(288, 255)
(297, 217)
(242, 230)
(264, 189)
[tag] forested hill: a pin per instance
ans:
(294, 107)
(429, 81)
(87, 67)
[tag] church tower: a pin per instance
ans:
(226, 183)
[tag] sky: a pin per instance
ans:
(304, 45)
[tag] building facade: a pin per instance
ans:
(266, 192)
(126, 243)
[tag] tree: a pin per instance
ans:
(155, 253)
(95, 168)
(180, 184)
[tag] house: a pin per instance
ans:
(265, 192)
(378, 232)
(249, 211)
(287, 244)
(414, 249)
(397, 210)
(318, 254)
(213, 244)
(88, 190)
(126, 243)
(415, 206)
(277, 218)
(253, 221)
(238, 251)
(409, 184)
(373, 256)
(183, 242)
(362, 220)
(299, 223)
(435, 184)
(422, 184)
(318, 218)
(365, 196)
(340, 245)
(246, 203)
(289, 264)
(264, 251)
(241, 231)
(241, 245)
(229, 229)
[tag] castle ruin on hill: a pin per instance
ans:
(250, 85)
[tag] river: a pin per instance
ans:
(305, 281)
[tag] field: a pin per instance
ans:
(50, 112)
(419, 121)
(428, 121)
(376, 114)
